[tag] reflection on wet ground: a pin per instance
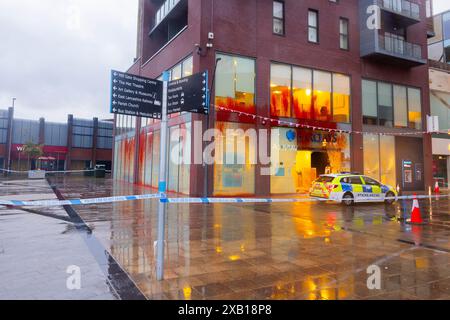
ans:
(272, 251)
(38, 245)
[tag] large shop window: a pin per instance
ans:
(309, 94)
(234, 173)
(179, 158)
(235, 83)
(341, 98)
(299, 156)
(280, 87)
(440, 106)
(415, 109)
(379, 158)
(389, 105)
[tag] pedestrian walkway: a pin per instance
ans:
(37, 247)
(271, 251)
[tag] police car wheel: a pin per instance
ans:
(347, 199)
(389, 195)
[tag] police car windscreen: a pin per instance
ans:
(325, 179)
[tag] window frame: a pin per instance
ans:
(392, 84)
(316, 12)
(347, 21)
(254, 59)
(291, 99)
(283, 20)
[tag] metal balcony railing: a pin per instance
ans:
(400, 47)
(404, 7)
(165, 9)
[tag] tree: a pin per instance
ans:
(33, 151)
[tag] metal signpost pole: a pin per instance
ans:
(162, 187)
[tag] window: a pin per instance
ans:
(371, 155)
(385, 109)
(379, 158)
(235, 83)
(343, 34)
(400, 106)
(188, 67)
(414, 109)
(304, 93)
(322, 95)
(176, 72)
(369, 102)
(371, 182)
(280, 90)
(355, 180)
(341, 98)
(325, 179)
(390, 105)
(313, 26)
(278, 18)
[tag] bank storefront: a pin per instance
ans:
(302, 155)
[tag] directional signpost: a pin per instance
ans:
(189, 94)
(148, 98)
(136, 96)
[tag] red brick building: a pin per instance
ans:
(355, 66)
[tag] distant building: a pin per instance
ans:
(439, 55)
(76, 144)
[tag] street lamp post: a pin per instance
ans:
(10, 136)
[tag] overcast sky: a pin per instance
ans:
(56, 55)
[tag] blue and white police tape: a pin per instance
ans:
(77, 202)
(49, 172)
(285, 200)
(163, 198)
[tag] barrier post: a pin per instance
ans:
(162, 186)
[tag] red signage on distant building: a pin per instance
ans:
(57, 152)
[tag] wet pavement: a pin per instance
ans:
(38, 245)
(247, 251)
(272, 251)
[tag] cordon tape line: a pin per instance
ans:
(282, 200)
(49, 172)
(77, 202)
(163, 198)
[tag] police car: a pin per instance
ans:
(351, 188)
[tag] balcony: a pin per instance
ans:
(168, 9)
(170, 20)
(392, 50)
(402, 13)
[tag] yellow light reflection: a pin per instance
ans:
(219, 249)
(187, 292)
(234, 257)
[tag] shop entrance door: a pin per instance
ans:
(320, 161)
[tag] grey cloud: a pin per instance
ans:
(54, 68)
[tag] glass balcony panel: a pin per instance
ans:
(400, 47)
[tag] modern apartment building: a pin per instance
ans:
(337, 85)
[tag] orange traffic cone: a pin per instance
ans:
(436, 187)
(415, 213)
